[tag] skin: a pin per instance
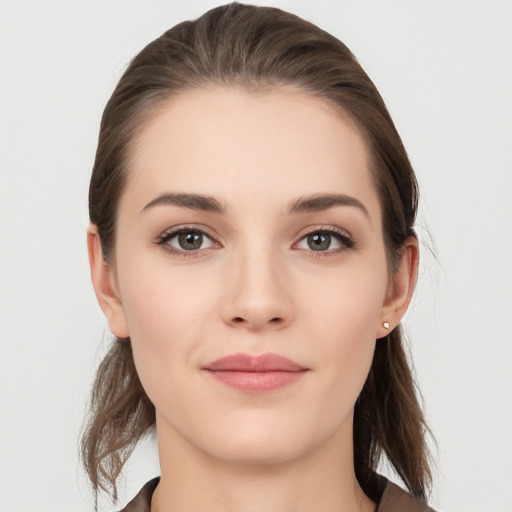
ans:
(255, 286)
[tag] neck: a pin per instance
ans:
(322, 480)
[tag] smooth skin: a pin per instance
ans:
(226, 244)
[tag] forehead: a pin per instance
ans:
(239, 145)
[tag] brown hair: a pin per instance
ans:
(258, 48)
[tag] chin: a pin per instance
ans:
(258, 451)
(263, 440)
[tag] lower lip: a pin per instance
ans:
(257, 382)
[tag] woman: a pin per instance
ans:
(252, 246)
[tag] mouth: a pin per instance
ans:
(256, 374)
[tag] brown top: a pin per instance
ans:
(393, 499)
(396, 499)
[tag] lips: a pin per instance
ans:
(256, 374)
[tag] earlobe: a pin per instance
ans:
(400, 289)
(104, 283)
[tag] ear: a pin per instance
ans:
(105, 285)
(400, 288)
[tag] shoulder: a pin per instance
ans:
(395, 499)
(142, 502)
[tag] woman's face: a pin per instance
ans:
(250, 226)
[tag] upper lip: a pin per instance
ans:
(256, 364)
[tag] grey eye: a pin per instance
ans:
(190, 241)
(319, 241)
(325, 241)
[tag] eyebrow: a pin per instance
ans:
(320, 202)
(186, 200)
(313, 203)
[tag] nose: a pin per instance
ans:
(258, 292)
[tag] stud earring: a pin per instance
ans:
(385, 325)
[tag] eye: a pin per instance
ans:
(326, 240)
(186, 240)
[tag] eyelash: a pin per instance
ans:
(164, 238)
(346, 241)
(341, 236)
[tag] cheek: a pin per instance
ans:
(158, 296)
(166, 311)
(346, 318)
(349, 301)
(349, 339)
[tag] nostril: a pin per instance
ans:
(239, 320)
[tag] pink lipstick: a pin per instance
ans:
(256, 374)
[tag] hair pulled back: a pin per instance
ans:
(257, 48)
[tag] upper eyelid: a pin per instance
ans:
(323, 229)
(176, 230)
(344, 237)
